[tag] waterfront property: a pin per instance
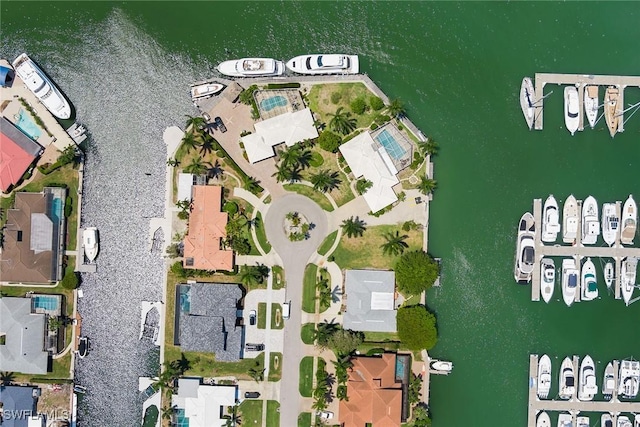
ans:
(207, 319)
(186, 181)
(202, 244)
(272, 103)
(370, 296)
(17, 153)
(20, 406)
(201, 405)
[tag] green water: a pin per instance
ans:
(458, 67)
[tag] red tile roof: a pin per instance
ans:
(14, 160)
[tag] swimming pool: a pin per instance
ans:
(185, 298)
(26, 124)
(44, 302)
(269, 104)
(390, 144)
(181, 420)
(56, 209)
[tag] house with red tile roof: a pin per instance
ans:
(207, 227)
(17, 153)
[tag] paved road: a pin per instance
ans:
(294, 256)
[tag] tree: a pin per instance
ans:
(428, 147)
(240, 245)
(215, 171)
(325, 180)
(197, 166)
(396, 108)
(394, 243)
(353, 226)
(6, 377)
(70, 280)
(246, 96)
(416, 327)
(329, 141)
(253, 274)
(256, 373)
(70, 154)
(414, 390)
(189, 141)
(172, 162)
(289, 156)
(194, 125)
(376, 103)
(342, 122)
(324, 331)
(420, 416)
(362, 185)
(168, 411)
(287, 173)
(416, 271)
(207, 145)
(358, 105)
(345, 341)
(426, 185)
(252, 185)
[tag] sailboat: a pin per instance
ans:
(591, 104)
(527, 101)
(570, 220)
(611, 111)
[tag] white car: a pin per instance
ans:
(325, 415)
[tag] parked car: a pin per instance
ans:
(221, 127)
(253, 395)
(206, 117)
(254, 347)
(325, 415)
(252, 317)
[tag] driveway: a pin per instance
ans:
(295, 256)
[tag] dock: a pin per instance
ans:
(576, 251)
(573, 405)
(580, 81)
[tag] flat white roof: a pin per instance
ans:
(382, 300)
(185, 182)
(202, 403)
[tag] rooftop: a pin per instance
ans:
(204, 405)
(370, 301)
(17, 153)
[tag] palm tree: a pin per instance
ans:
(216, 170)
(304, 160)
(206, 146)
(429, 147)
(289, 156)
(396, 108)
(189, 141)
(6, 377)
(197, 166)
(324, 331)
(195, 124)
(256, 373)
(168, 411)
(251, 184)
(341, 121)
(363, 185)
(324, 295)
(172, 162)
(287, 173)
(395, 243)
(325, 180)
(253, 274)
(426, 185)
(181, 365)
(353, 227)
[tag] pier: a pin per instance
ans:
(573, 405)
(580, 81)
(576, 251)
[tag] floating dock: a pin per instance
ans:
(580, 81)
(573, 405)
(576, 251)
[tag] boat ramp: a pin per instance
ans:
(577, 251)
(580, 81)
(573, 405)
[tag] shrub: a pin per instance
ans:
(245, 133)
(373, 126)
(416, 272)
(358, 105)
(246, 96)
(382, 119)
(68, 207)
(178, 269)
(376, 103)
(283, 85)
(71, 280)
(329, 141)
(417, 328)
(183, 215)
(336, 97)
(230, 207)
(316, 160)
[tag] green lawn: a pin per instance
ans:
(380, 336)
(365, 251)
(306, 376)
(206, 365)
(262, 235)
(309, 192)
(277, 322)
(307, 332)
(304, 419)
(262, 315)
(278, 277)
(327, 243)
(251, 412)
(273, 413)
(320, 101)
(309, 289)
(275, 366)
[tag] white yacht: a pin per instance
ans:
(570, 220)
(550, 220)
(628, 379)
(610, 223)
(543, 420)
(569, 280)
(42, 87)
(544, 376)
(628, 278)
(567, 380)
(582, 421)
(609, 274)
(629, 221)
(588, 283)
(90, 243)
(608, 382)
(525, 254)
(571, 111)
(590, 221)
(324, 64)
(442, 366)
(624, 421)
(527, 101)
(591, 104)
(636, 420)
(548, 275)
(565, 420)
(606, 420)
(205, 90)
(611, 110)
(587, 388)
(251, 67)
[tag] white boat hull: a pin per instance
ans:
(569, 281)
(629, 221)
(90, 243)
(588, 386)
(609, 274)
(628, 278)
(567, 374)
(550, 220)
(205, 90)
(543, 420)
(611, 109)
(525, 255)
(251, 67)
(570, 220)
(544, 376)
(591, 104)
(590, 221)
(608, 382)
(548, 278)
(588, 284)
(527, 101)
(317, 64)
(571, 111)
(610, 223)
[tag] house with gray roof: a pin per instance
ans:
(22, 337)
(370, 301)
(208, 319)
(19, 406)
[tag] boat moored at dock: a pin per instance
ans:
(588, 283)
(587, 388)
(527, 101)
(628, 278)
(251, 67)
(582, 421)
(606, 420)
(548, 275)
(90, 243)
(569, 280)
(570, 220)
(628, 379)
(610, 223)
(608, 382)
(525, 254)
(609, 274)
(324, 64)
(543, 420)
(550, 220)
(565, 420)
(590, 221)
(83, 347)
(205, 90)
(567, 380)
(611, 113)
(571, 109)
(591, 105)
(624, 421)
(629, 221)
(442, 366)
(544, 376)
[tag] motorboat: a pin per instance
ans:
(629, 221)
(624, 421)
(591, 104)
(567, 380)
(569, 280)
(570, 220)
(571, 111)
(527, 101)
(550, 222)
(628, 278)
(609, 274)
(324, 64)
(79, 389)
(611, 111)
(590, 221)
(42, 87)
(90, 243)
(544, 376)
(565, 420)
(548, 275)
(588, 282)
(442, 366)
(251, 67)
(587, 387)
(205, 90)
(608, 382)
(606, 420)
(582, 421)
(610, 223)
(628, 379)
(636, 420)
(83, 347)
(525, 254)
(543, 420)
